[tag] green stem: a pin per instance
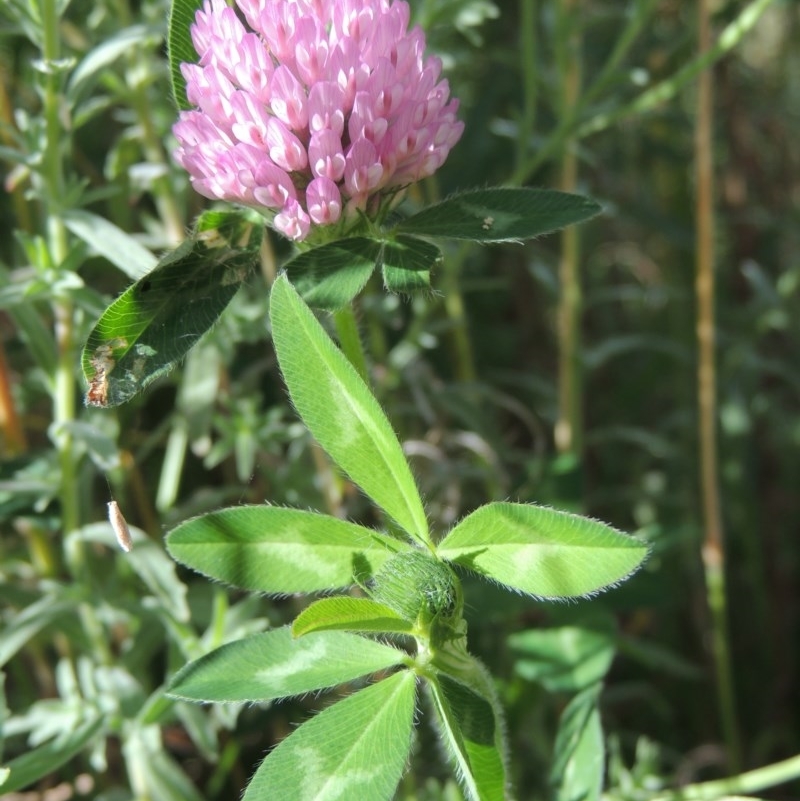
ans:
(163, 195)
(667, 89)
(52, 173)
(350, 340)
(64, 390)
(457, 317)
(165, 201)
(64, 413)
(622, 46)
(750, 782)
(172, 465)
(575, 127)
(569, 427)
(527, 15)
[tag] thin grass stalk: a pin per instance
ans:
(527, 41)
(346, 326)
(577, 127)
(457, 316)
(731, 788)
(713, 552)
(166, 202)
(453, 298)
(63, 312)
(64, 390)
(569, 426)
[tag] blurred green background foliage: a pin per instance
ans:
(469, 375)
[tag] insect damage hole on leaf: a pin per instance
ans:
(103, 363)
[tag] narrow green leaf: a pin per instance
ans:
(164, 779)
(407, 263)
(349, 614)
(105, 55)
(355, 749)
(542, 552)
(500, 215)
(179, 46)
(564, 659)
(329, 277)
(99, 443)
(42, 761)
(577, 771)
(201, 728)
(657, 657)
(159, 574)
(157, 320)
(472, 737)
(111, 242)
(25, 625)
(280, 551)
(277, 665)
(341, 412)
(153, 773)
(147, 559)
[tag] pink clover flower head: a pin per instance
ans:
(314, 109)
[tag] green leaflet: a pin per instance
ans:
(156, 321)
(350, 614)
(563, 659)
(330, 276)
(356, 749)
(179, 46)
(469, 730)
(38, 762)
(341, 412)
(406, 264)
(579, 752)
(280, 551)
(275, 664)
(500, 215)
(542, 552)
